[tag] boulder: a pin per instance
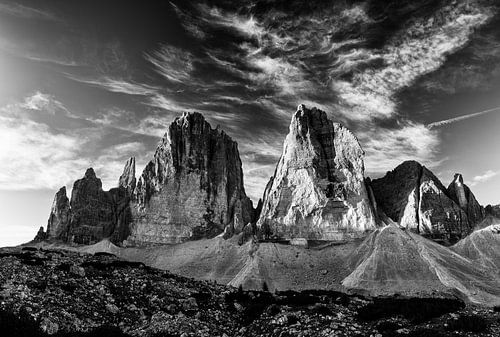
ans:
(318, 190)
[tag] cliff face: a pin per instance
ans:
(463, 196)
(415, 198)
(60, 216)
(318, 190)
(193, 187)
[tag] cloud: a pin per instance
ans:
(33, 157)
(37, 156)
(387, 148)
(40, 101)
(461, 118)
(26, 12)
(173, 63)
(416, 51)
(486, 176)
(119, 85)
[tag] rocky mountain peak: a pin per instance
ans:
(464, 197)
(90, 174)
(318, 190)
(193, 187)
(60, 215)
(458, 178)
(127, 179)
(414, 197)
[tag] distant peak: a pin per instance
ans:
(458, 178)
(90, 173)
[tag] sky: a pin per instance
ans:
(92, 83)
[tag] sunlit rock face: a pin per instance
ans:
(193, 187)
(415, 198)
(60, 215)
(127, 179)
(318, 190)
(464, 197)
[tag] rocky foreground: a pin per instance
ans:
(60, 293)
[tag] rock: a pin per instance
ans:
(77, 270)
(318, 191)
(493, 210)
(92, 214)
(462, 195)
(92, 211)
(127, 179)
(193, 187)
(415, 198)
(60, 216)
(48, 326)
(112, 308)
(41, 235)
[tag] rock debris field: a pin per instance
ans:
(60, 293)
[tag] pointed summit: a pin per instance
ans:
(318, 190)
(193, 187)
(60, 216)
(464, 197)
(414, 197)
(127, 179)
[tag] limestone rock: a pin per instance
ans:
(60, 215)
(493, 210)
(463, 196)
(91, 215)
(127, 179)
(92, 211)
(41, 235)
(193, 187)
(413, 196)
(318, 190)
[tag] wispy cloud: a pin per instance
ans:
(118, 85)
(386, 148)
(461, 118)
(36, 156)
(40, 101)
(486, 176)
(27, 12)
(172, 63)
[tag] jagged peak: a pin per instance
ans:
(90, 173)
(61, 191)
(458, 178)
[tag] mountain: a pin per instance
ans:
(415, 198)
(91, 215)
(493, 210)
(191, 189)
(462, 195)
(322, 226)
(318, 189)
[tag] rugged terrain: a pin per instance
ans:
(60, 293)
(318, 190)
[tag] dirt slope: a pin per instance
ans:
(483, 246)
(392, 261)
